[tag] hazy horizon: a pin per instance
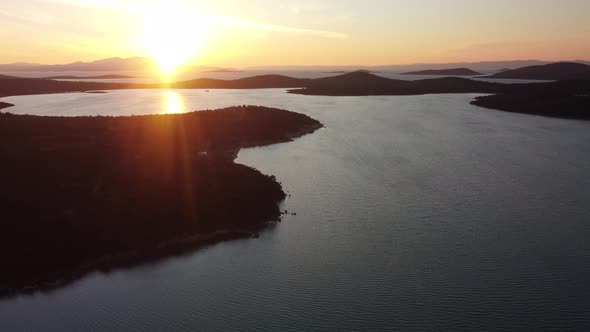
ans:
(313, 65)
(228, 33)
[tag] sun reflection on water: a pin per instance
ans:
(172, 103)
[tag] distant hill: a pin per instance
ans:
(365, 84)
(482, 66)
(219, 70)
(135, 64)
(102, 77)
(441, 72)
(347, 71)
(351, 83)
(553, 71)
(254, 82)
(111, 64)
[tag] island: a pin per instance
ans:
(445, 72)
(561, 100)
(5, 105)
(81, 194)
(358, 83)
(549, 72)
(365, 84)
(221, 70)
(346, 72)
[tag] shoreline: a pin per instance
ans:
(215, 223)
(133, 258)
(5, 105)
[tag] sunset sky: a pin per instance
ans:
(242, 33)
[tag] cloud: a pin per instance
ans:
(279, 28)
(261, 26)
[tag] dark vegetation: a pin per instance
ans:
(452, 72)
(80, 193)
(551, 72)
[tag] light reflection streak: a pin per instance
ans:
(172, 103)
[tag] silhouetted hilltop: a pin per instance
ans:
(102, 77)
(80, 193)
(360, 77)
(554, 71)
(354, 83)
(364, 84)
(440, 72)
(349, 84)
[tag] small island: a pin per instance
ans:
(81, 194)
(445, 72)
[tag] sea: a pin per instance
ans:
(412, 213)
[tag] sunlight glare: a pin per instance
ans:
(172, 103)
(172, 35)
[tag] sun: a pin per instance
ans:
(172, 35)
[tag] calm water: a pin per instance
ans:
(417, 212)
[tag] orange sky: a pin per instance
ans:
(301, 32)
